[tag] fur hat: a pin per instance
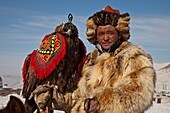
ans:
(108, 16)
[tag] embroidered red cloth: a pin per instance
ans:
(44, 62)
(48, 56)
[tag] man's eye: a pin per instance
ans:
(100, 34)
(110, 33)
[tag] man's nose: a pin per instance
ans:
(106, 37)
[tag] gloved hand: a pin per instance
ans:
(42, 97)
(91, 105)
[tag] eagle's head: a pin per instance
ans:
(68, 28)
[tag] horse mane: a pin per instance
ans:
(14, 105)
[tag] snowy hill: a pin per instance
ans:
(163, 76)
(158, 66)
(11, 81)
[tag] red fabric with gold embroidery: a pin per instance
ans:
(44, 62)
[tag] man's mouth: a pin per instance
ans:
(106, 44)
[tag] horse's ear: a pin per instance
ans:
(15, 105)
(14, 98)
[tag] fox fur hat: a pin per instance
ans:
(108, 16)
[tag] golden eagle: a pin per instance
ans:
(57, 62)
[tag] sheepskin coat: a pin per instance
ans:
(122, 81)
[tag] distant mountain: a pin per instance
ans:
(166, 67)
(163, 76)
(158, 66)
(11, 81)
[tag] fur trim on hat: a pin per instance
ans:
(91, 31)
(121, 23)
(123, 26)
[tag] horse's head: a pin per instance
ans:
(14, 105)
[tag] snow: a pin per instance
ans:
(4, 100)
(156, 108)
(158, 66)
(162, 84)
(12, 81)
(159, 108)
(163, 75)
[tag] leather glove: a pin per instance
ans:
(91, 105)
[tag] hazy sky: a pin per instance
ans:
(23, 24)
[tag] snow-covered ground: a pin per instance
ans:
(159, 108)
(4, 100)
(156, 108)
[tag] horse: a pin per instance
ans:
(14, 105)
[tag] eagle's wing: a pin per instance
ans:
(30, 81)
(43, 63)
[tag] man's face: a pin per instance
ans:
(107, 36)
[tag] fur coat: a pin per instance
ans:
(122, 82)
